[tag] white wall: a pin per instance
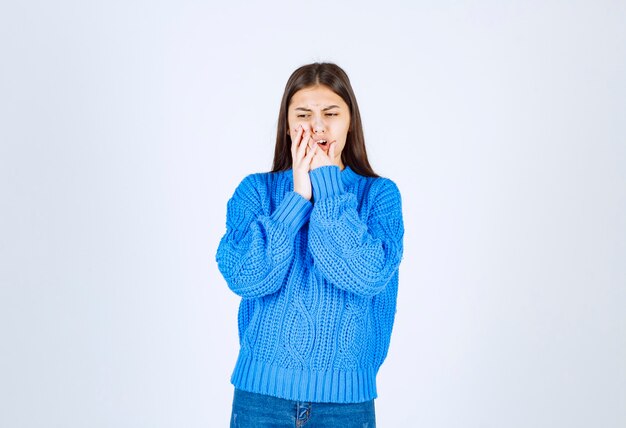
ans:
(126, 125)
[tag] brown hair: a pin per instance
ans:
(332, 76)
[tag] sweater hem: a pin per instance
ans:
(322, 386)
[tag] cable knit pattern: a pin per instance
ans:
(318, 282)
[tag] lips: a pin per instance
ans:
(322, 142)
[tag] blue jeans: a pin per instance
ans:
(252, 410)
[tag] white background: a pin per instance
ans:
(125, 127)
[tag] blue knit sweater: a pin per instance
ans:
(318, 282)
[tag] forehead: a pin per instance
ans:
(316, 96)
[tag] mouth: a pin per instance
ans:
(324, 144)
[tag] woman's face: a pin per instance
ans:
(324, 113)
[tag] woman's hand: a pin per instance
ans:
(322, 159)
(301, 155)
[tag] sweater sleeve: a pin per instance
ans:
(354, 254)
(255, 252)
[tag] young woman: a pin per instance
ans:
(313, 248)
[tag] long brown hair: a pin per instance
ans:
(332, 76)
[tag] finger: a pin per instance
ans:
(302, 149)
(331, 151)
(295, 141)
(306, 133)
(311, 153)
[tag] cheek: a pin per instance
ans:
(292, 125)
(295, 122)
(346, 127)
(344, 133)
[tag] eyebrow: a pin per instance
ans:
(324, 109)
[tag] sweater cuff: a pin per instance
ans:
(293, 211)
(326, 182)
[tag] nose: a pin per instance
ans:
(318, 125)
